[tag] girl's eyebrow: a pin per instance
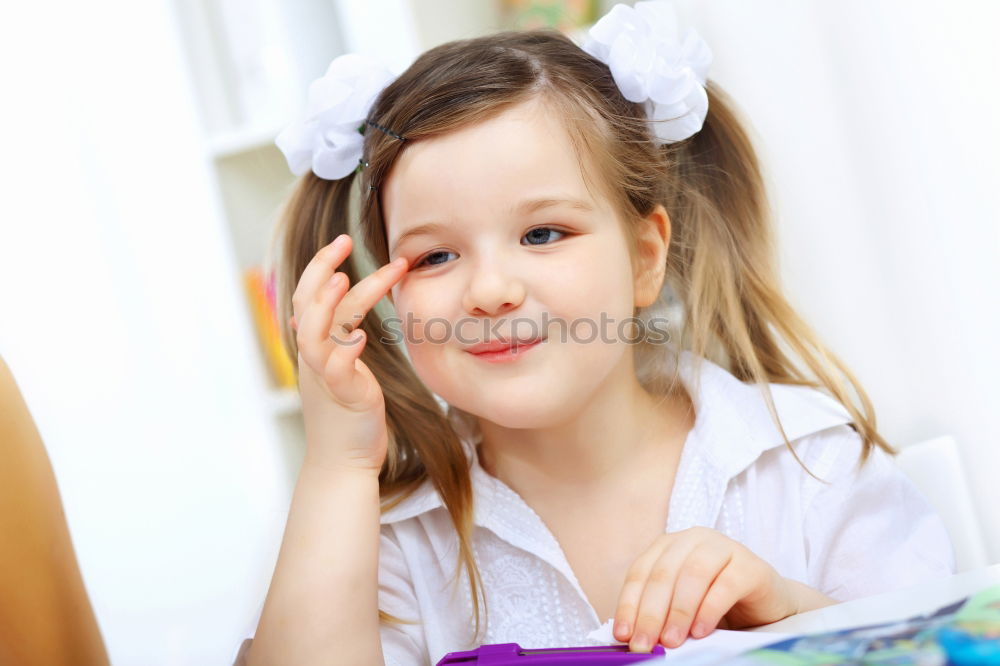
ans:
(523, 208)
(425, 229)
(532, 205)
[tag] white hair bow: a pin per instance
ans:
(328, 137)
(651, 65)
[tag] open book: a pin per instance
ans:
(964, 632)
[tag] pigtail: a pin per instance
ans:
(422, 442)
(723, 265)
(316, 212)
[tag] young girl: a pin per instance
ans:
(535, 457)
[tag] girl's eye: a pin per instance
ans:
(427, 259)
(540, 234)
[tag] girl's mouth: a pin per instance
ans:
(503, 352)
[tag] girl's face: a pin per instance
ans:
(503, 238)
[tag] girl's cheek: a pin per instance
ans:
(417, 318)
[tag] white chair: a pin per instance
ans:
(936, 469)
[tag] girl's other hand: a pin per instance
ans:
(342, 403)
(705, 580)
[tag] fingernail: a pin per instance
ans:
(340, 240)
(698, 631)
(621, 628)
(672, 635)
(398, 261)
(641, 644)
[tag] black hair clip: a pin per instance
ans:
(384, 129)
(363, 164)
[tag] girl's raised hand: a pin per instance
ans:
(342, 403)
(695, 580)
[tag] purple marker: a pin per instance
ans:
(512, 654)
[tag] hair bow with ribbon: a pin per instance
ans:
(650, 64)
(329, 137)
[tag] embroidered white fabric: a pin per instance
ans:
(862, 534)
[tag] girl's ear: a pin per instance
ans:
(652, 242)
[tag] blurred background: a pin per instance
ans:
(141, 184)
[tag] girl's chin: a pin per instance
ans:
(525, 414)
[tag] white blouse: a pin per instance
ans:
(862, 534)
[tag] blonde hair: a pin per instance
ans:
(720, 263)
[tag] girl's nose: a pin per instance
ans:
(493, 292)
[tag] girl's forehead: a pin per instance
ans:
(494, 165)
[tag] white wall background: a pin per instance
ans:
(121, 313)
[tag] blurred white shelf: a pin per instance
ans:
(234, 142)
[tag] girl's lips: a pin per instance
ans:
(504, 354)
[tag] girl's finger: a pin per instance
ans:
(656, 590)
(365, 294)
(342, 371)
(631, 593)
(313, 336)
(657, 594)
(319, 269)
(727, 589)
(696, 575)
